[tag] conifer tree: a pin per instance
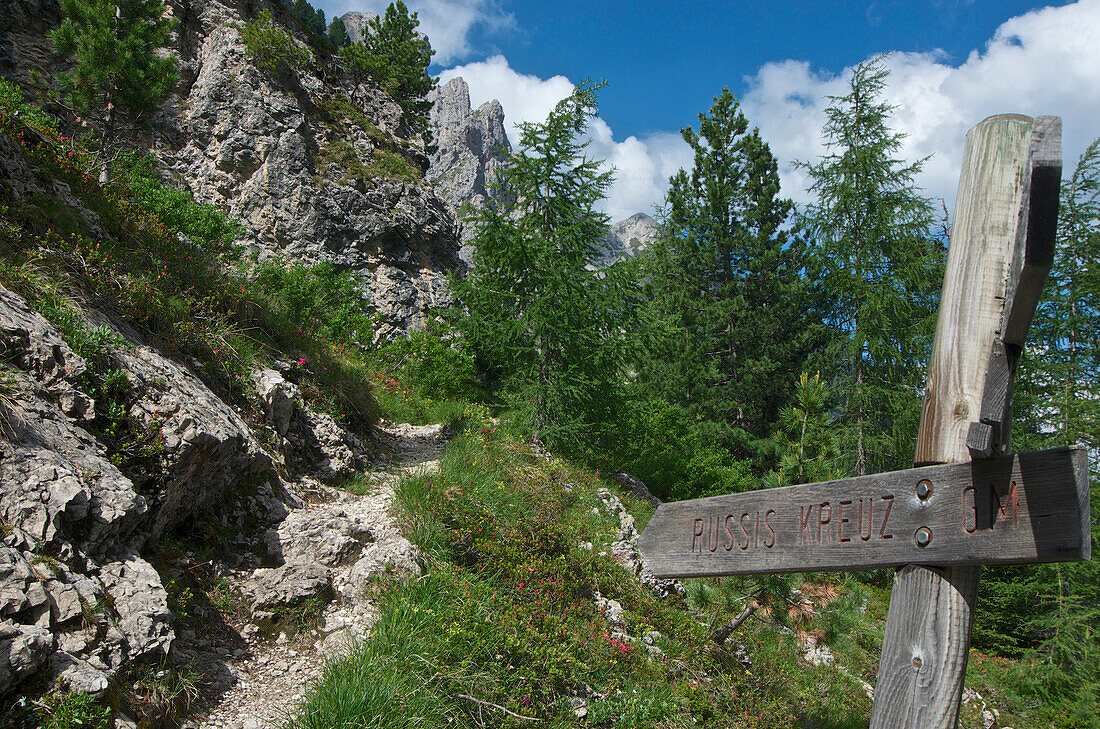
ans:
(117, 76)
(878, 269)
(338, 34)
(726, 287)
(396, 56)
(544, 326)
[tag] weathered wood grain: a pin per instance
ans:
(1035, 252)
(1011, 510)
(927, 636)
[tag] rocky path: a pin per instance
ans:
(256, 677)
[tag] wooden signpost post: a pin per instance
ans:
(969, 501)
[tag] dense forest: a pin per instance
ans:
(755, 344)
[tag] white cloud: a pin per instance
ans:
(642, 166)
(525, 98)
(1044, 62)
(447, 23)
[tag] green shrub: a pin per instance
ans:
(272, 48)
(316, 300)
(384, 163)
(12, 104)
(207, 225)
(658, 443)
(73, 711)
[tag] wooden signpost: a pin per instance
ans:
(1013, 509)
(969, 501)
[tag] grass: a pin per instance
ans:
(189, 298)
(506, 619)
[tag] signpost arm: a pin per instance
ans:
(927, 638)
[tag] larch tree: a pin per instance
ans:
(118, 74)
(878, 269)
(543, 324)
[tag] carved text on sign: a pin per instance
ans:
(1009, 510)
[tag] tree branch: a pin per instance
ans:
(491, 705)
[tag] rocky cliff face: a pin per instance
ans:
(627, 239)
(355, 23)
(471, 148)
(315, 168)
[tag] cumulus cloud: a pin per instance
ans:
(524, 97)
(642, 166)
(1043, 62)
(447, 23)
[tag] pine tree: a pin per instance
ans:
(338, 34)
(311, 21)
(878, 269)
(396, 56)
(807, 445)
(544, 326)
(726, 286)
(117, 76)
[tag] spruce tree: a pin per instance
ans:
(544, 326)
(877, 268)
(117, 76)
(726, 287)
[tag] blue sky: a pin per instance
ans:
(953, 63)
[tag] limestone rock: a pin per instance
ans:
(626, 239)
(271, 588)
(309, 437)
(31, 344)
(77, 675)
(471, 149)
(326, 534)
(23, 650)
(392, 553)
(634, 485)
(294, 166)
(355, 23)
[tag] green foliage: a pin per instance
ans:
(183, 298)
(435, 361)
(878, 268)
(396, 57)
(316, 301)
(158, 694)
(73, 711)
(544, 327)
(13, 105)
(506, 614)
(312, 21)
(808, 448)
(338, 34)
(727, 314)
(386, 163)
(206, 225)
(117, 74)
(662, 447)
(271, 47)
